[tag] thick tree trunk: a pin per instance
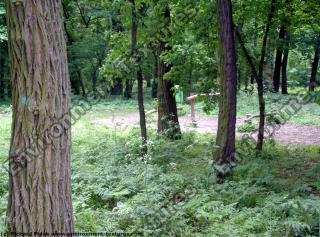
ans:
(228, 84)
(40, 180)
(314, 68)
(139, 75)
(168, 122)
(278, 61)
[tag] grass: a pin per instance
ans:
(173, 190)
(248, 104)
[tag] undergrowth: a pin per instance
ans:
(172, 190)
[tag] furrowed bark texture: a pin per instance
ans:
(228, 82)
(40, 180)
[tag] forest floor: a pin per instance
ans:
(286, 133)
(117, 188)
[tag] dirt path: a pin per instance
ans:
(287, 134)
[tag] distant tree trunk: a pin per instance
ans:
(259, 82)
(284, 82)
(2, 76)
(265, 38)
(139, 75)
(260, 79)
(278, 62)
(79, 73)
(228, 85)
(314, 68)
(168, 122)
(77, 82)
(154, 89)
(142, 114)
(94, 80)
(148, 79)
(117, 88)
(40, 180)
(128, 89)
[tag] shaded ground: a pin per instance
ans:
(288, 134)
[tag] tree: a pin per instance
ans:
(282, 52)
(40, 180)
(314, 68)
(139, 75)
(278, 60)
(228, 81)
(168, 121)
(284, 81)
(4, 85)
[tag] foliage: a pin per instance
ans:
(247, 128)
(116, 188)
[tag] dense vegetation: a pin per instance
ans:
(116, 188)
(140, 164)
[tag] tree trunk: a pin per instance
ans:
(228, 85)
(128, 89)
(148, 79)
(284, 82)
(79, 74)
(40, 180)
(2, 76)
(259, 82)
(265, 38)
(168, 122)
(278, 62)
(154, 89)
(142, 114)
(94, 84)
(139, 75)
(258, 75)
(314, 69)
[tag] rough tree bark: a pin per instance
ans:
(168, 121)
(228, 83)
(139, 75)
(314, 68)
(40, 180)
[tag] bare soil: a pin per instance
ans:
(287, 133)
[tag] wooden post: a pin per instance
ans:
(193, 111)
(192, 100)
